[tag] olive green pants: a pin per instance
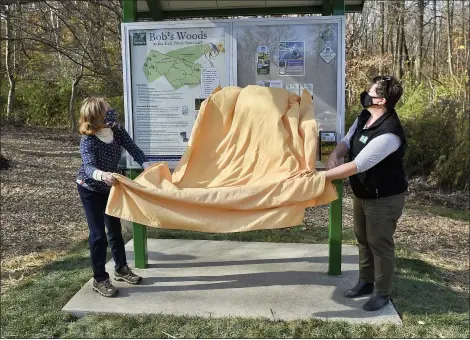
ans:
(375, 221)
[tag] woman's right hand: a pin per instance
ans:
(332, 162)
(108, 178)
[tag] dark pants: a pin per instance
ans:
(95, 206)
(375, 221)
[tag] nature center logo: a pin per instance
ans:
(139, 39)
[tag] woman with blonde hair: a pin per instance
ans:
(100, 148)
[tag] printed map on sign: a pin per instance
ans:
(179, 66)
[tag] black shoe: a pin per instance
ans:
(126, 274)
(361, 289)
(376, 302)
(105, 288)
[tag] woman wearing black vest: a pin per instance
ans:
(376, 146)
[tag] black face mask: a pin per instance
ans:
(367, 100)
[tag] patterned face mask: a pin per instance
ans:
(111, 117)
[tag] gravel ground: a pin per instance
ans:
(41, 215)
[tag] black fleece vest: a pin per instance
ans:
(387, 178)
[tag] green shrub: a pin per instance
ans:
(46, 103)
(41, 103)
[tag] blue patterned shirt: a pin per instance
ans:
(98, 155)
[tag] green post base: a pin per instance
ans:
(140, 246)
(335, 231)
(140, 237)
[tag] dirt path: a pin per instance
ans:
(41, 215)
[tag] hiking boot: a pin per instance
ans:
(376, 302)
(360, 289)
(105, 288)
(126, 274)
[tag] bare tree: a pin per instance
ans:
(434, 36)
(11, 64)
(449, 40)
(420, 31)
(382, 35)
(400, 39)
(78, 33)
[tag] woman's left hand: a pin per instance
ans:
(108, 178)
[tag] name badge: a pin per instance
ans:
(363, 139)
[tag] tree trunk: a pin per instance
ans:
(449, 41)
(76, 81)
(397, 48)
(365, 40)
(56, 32)
(9, 63)
(419, 58)
(439, 43)
(434, 44)
(467, 49)
(399, 44)
(464, 32)
(102, 39)
(2, 8)
(373, 36)
(467, 56)
(352, 35)
(407, 61)
(390, 28)
(391, 45)
(382, 35)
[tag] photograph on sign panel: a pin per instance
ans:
(198, 102)
(291, 58)
(263, 60)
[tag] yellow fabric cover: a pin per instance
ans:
(250, 164)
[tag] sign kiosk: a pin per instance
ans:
(170, 67)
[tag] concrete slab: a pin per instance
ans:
(239, 279)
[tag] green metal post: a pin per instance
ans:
(140, 236)
(338, 7)
(326, 7)
(129, 8)
(335, 7)
(335, 231)
(156, 11)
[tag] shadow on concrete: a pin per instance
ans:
(320, 259)
(157, 256)
(248, 280)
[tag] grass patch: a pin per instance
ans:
(33, 310)
(452, 213)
